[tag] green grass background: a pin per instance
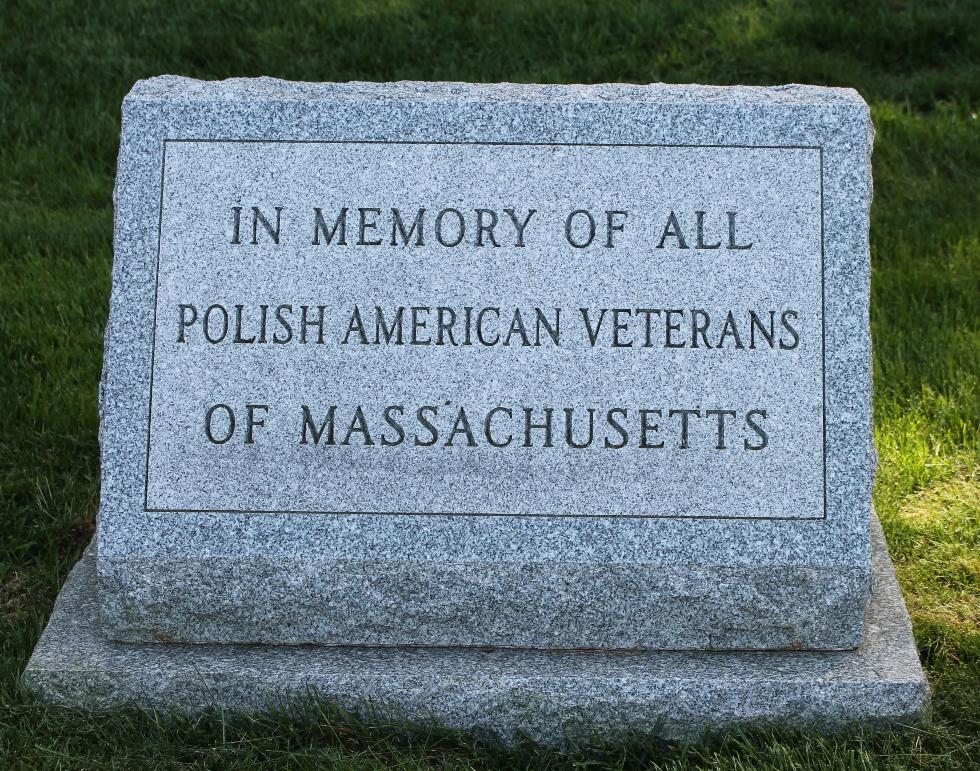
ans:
(64, 68)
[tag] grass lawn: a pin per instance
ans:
(64, 69)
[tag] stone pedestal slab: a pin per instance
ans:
(553, 697)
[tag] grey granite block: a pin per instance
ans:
(489, 536)
(552, 697)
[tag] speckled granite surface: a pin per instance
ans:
(552, 697)
(632, 548)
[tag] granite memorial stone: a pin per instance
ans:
(502, 366)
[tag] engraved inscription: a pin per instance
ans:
(528, 330)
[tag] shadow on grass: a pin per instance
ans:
(312, 733)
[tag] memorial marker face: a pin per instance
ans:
(504, 329)
(577, 367)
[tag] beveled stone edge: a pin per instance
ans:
(192, 89)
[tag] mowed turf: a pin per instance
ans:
(64, 68)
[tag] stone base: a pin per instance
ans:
(551, 697)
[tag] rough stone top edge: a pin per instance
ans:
(175, 88)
